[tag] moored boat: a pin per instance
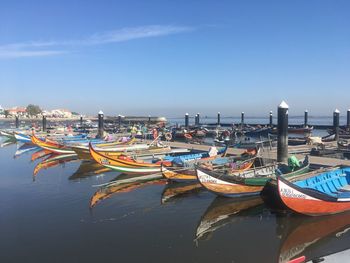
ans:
(246, 183)
(320, 192)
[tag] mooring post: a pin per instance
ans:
(100, 124)
(17, 122)
(306, 117)
(218, 120)
(81, 121)
(242, 118)
(119, 120)
(186, 121)
(336, 114)
(271, 121)
(198, 120)
(282, 132)
(44, 123)
(348, 119)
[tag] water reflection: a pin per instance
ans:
(173, 191)
(54, 160)
(25, 148)
(88, 168)
(223, 211)
(312, 237)
(125, 183)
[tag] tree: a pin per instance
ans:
(6, 113)
(33, 110)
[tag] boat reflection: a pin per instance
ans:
(40, 154)
(54, 160)
(88, 168)
(173, 191)
(223, 211)
(125, 183)
(313, 237)
(7, 142)
(25, 148)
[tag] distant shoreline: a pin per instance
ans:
(40, 119)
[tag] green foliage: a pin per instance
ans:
(33, 110)
(75, 113)
(6, 113)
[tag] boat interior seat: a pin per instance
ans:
(328, 183)
(344, 194)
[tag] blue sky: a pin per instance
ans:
(172, 57)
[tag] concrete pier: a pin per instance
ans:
(282, 132)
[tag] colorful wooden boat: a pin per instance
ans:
(52, 146)
(21, 137)
(321, 192)
(245, 183)
(124, 164)
(188, 173)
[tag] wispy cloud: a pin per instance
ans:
(50, 48)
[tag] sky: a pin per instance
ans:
(172, 57)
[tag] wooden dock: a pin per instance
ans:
(298, 151)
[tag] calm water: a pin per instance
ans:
(60, 214)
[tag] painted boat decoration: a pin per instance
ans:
(174, 191)
(246, 183)
(222, 212)
(322, 192)
(125, 185)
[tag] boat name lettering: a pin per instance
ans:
(290, 193)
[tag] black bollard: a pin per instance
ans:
(336, 114)
(348, 119)
(306, 117)
(149, 119)
(282, 132)
(198, 120)
(119, 120)
(242, 118)
(271, 121)
(44, 123)
(100, 124)
(17, 122)
(195, 120)
(218, 122)
(186, 120)
(81, 121)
